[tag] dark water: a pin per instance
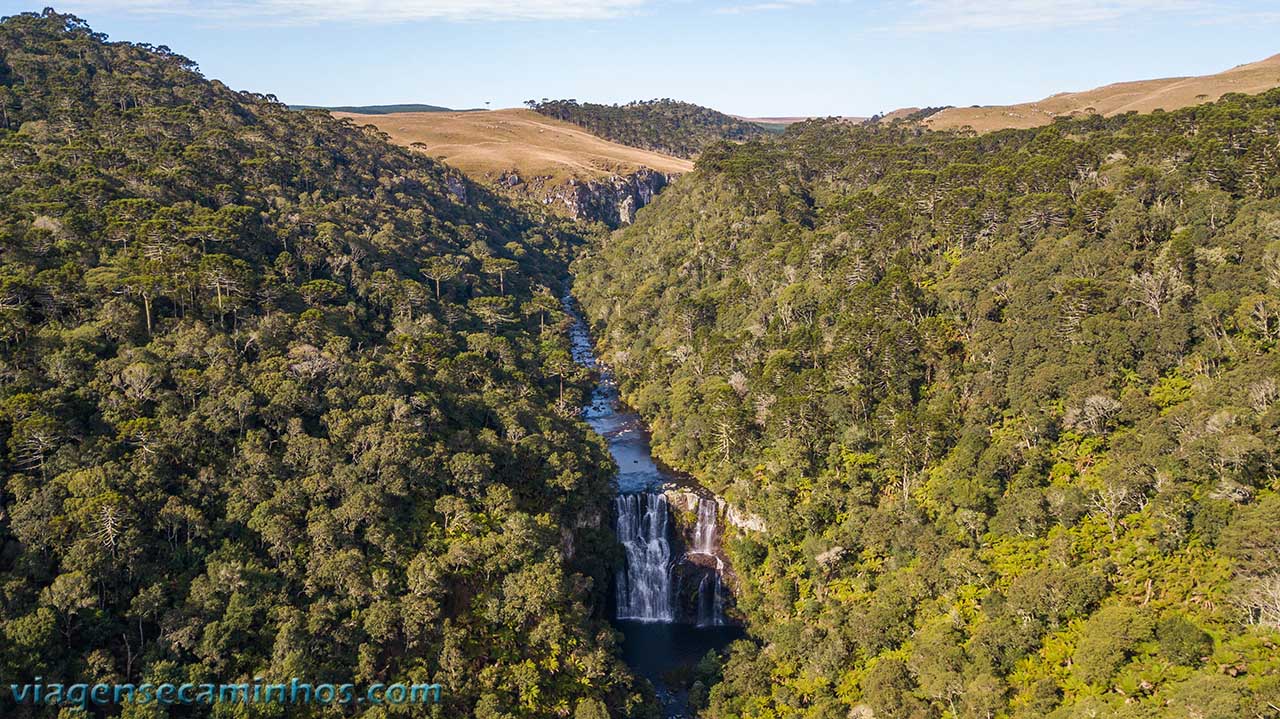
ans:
(664, 653)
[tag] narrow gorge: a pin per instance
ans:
(672, 597)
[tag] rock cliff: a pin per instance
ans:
(703, 578)
(612, 200)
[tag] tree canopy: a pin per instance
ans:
(1006, 403)
(667, 126)
(275, 402)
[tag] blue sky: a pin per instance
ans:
(750, 57)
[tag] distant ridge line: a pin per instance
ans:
(1166, 93)
(383, 109)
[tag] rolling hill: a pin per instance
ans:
(553, 162)
(490, 145)
(1140, 96)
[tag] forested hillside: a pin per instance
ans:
(280, 399)
(1008, 406)
(671, 127)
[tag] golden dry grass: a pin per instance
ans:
(488, 144)
(1141, 96)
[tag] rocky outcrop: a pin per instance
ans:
(744, 520)
(612, 200)
(687, 500)
(683, 500)
(457, 186)
(702, 578)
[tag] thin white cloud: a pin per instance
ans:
(766, 6)
(365, 11)
(953, 15)
(1244, 17)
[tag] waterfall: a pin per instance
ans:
(673, 572)
(644, 587)
(710, 602)
(705, 610)
(704, 532)
(717, 603)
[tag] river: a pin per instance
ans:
(663, 640)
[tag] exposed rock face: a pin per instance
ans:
(590, 520)
(683, 500)
(457, 186)
(567, 548)
(687, 501)
(612, 200)
(742, 519)
(702, 578)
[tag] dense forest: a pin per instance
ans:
(1007, 404)
(671, 127)
(280, 399)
